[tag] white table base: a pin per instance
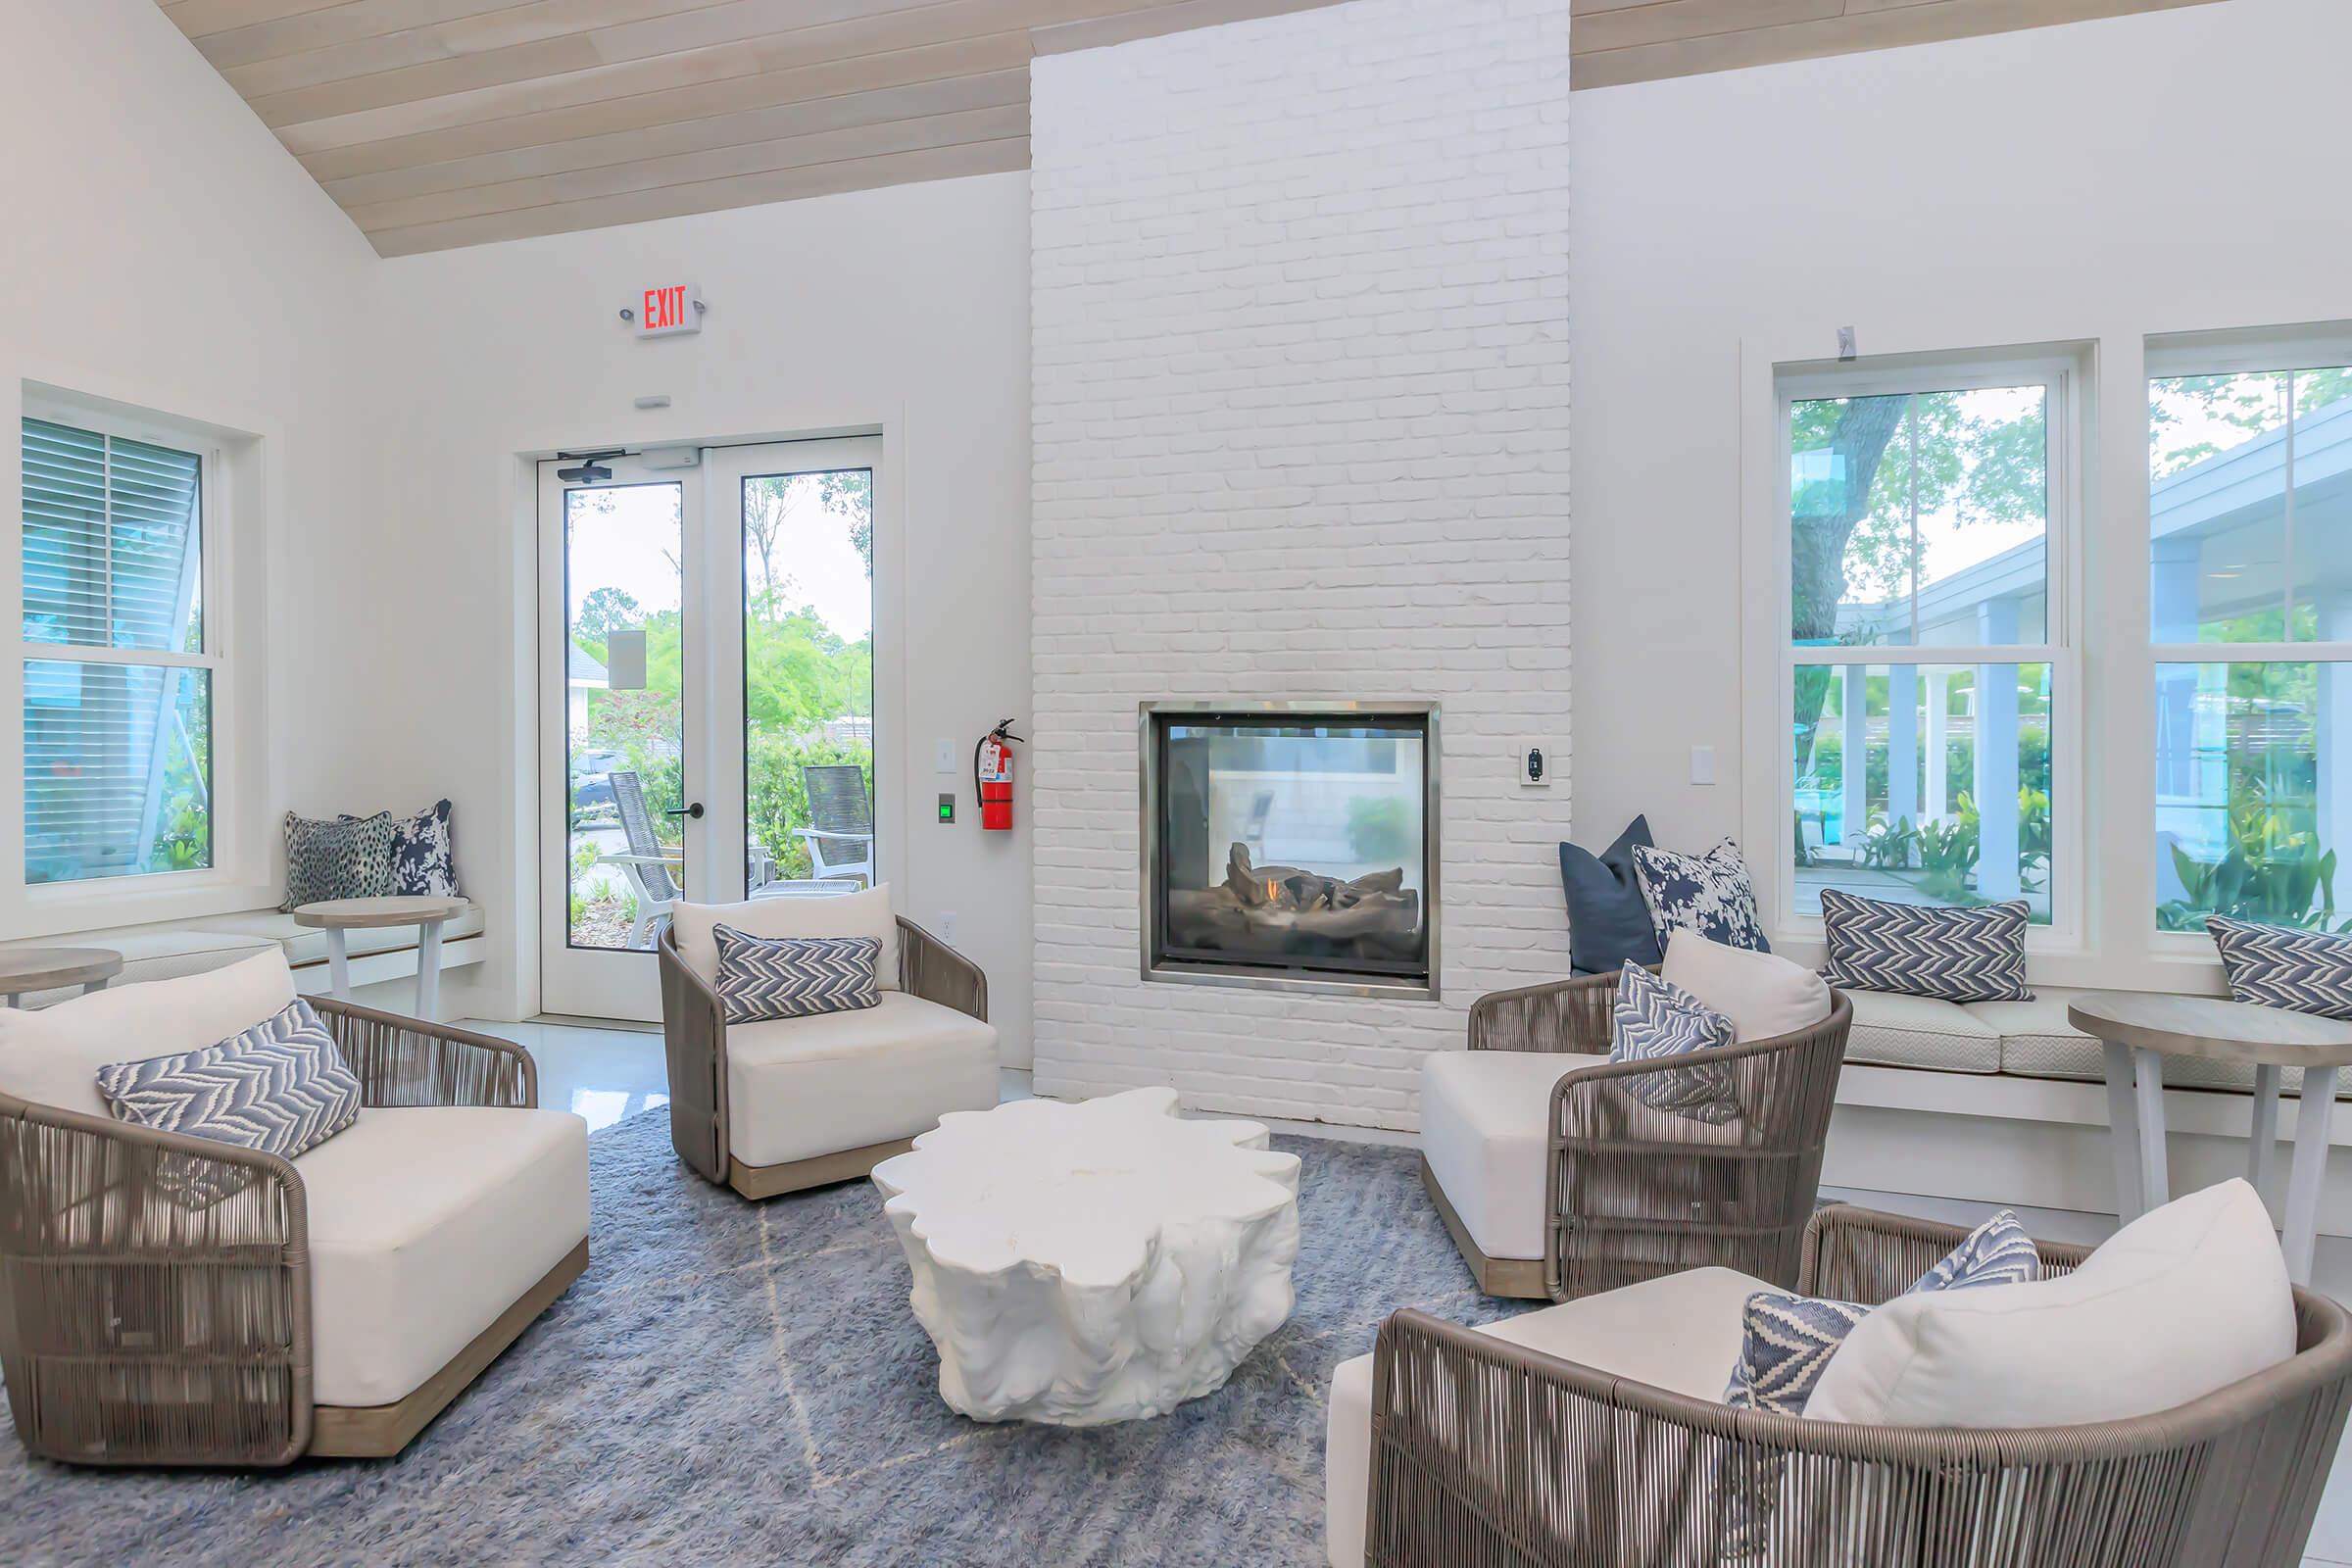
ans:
(2135, 1122)
(428, 967)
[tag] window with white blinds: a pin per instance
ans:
(117, 668)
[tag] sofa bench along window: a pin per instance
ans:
(2250, 609)
(1925, 675)
(116, 662)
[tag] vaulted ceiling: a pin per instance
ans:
(443, 123)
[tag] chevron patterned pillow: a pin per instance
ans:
(1975, 954)
(282, 1087)
(2280, 966)
(795, 977)
(1653, 1018)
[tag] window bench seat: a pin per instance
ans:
(2006, 1102)
(2016, 1039)
(171, 947)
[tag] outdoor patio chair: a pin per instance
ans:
(651, 869)
(841, 814)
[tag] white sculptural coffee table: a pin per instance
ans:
(1092, 1262)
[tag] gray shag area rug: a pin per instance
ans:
(743, 1383)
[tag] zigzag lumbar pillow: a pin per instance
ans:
(2280, 966)
(1653, 1019)
(282, 1087)
(795, 977)
(1974, 955)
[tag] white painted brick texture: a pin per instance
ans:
(1300, 386)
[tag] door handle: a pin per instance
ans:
(694, 810)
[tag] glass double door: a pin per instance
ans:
(706, 694)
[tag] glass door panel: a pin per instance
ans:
(808, 682)
(618, 812)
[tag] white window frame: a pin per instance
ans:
(2256, 351)
(230, 475)
(2059, 375)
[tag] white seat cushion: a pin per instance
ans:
(1894, 1030)
(802, 1087)
(1483, 1117)
(52, 1056)
(850, 914)
(1680, 1333)
(426, 1224)
(2186, 1299)
(2038, 1042)
(1763, 994)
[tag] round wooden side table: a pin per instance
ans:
(336, 917)
(2140, 1029)
(24, 970)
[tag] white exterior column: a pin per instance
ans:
(2334, 739)
(2173, 599)
(1936, 807)
(1903, 744)
(1997, 779)
(1853, 766)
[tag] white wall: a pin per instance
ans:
(1301, 387)
(162, 250)
(904, 307)
(2101, 182)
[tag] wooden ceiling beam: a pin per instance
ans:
(744, 190)
(441, 123)
(997, 89)
(700, 100)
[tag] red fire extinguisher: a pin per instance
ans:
(991, 773)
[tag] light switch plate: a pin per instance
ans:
(944, 759)
(1703, 764)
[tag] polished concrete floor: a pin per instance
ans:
(606, 1072)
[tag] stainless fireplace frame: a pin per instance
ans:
(1259, 978)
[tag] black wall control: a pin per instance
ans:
(1535, 763)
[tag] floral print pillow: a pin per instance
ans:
(1710, 894)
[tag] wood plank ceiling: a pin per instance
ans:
(443, 123)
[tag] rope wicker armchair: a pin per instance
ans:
(1630, 1192)
(904, 1075)
(1487, 1453)
(136, 1330)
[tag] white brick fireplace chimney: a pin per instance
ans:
(1299, 315)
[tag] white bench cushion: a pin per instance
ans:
(802, 1087)
(306, 945)
(426, 1224)
(52, 1056)
(1682, 1333)
(848, 914)
(1893, 1030)
(2037, 1042)
(1483, 1117)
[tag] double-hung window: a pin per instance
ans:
(1923, 667)
(2250, 610)
(117, 660)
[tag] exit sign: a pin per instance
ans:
(669, 308)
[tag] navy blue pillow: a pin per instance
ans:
(1608, 920)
